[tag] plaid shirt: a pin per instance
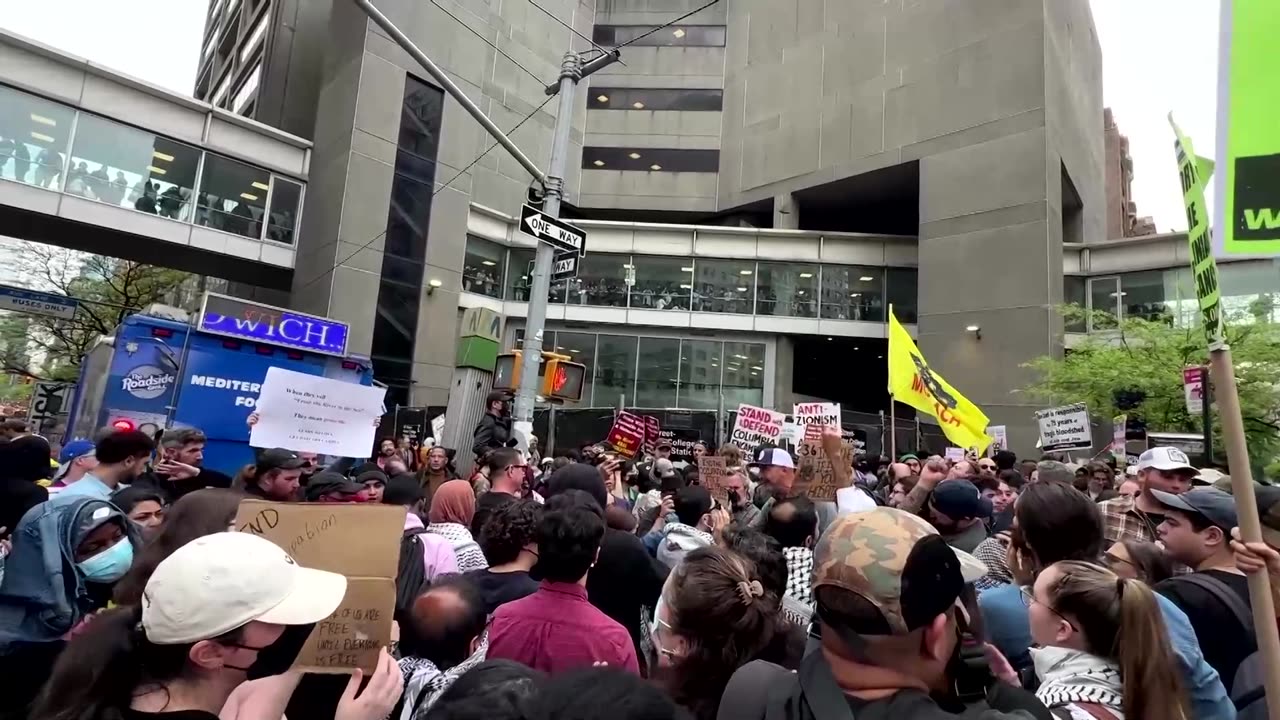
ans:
(1122, 520)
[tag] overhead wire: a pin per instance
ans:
(447, 183)
(569, 27)
(488, 42)
(666, 25)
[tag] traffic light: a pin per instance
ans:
(563, 380)
(124, 425)
(506, 371)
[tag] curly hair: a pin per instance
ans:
(508, 529)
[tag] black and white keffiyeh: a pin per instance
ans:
(1070, 676)
(800, 574)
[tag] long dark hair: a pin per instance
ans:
(1121, 621)
(203, 512)
(726, 623)
(101, 670)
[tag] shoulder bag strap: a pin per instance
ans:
(1224, 595)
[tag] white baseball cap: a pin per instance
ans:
(774, 456)
(219, 582)
(1167, 459)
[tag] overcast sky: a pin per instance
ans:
(1158, 55)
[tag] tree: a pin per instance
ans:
(1144, 359)
(109, 289)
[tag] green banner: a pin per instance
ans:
(1194, 173)
(1248, 151)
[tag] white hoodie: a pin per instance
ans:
(1068, 677)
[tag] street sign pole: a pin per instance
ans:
(570, 73)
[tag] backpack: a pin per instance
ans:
(411, 576)
(766, 691)
(1248, 692)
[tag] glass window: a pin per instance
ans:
(903, 293)
(33, 139)
(700, 367)
(1104, 297)
(1146, 295)
(520, 277)
(602, 280)
(127, 167)
(420, 118)
(673, 36)
(1250, 290)
(650, 159)
(396, 321)
(856, 293)
(286, 195)
(615, 370)
(655, 99)
(661, 283)
(482, 267)
(233, 196)
(724, 286)
(248, 91)
(657, 376)
(743, 374)
(255, 36)
(223, 87)
(582, 348)
(787, 289)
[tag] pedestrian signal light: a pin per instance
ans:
(506, 372)
(123, 424)
(563, 380)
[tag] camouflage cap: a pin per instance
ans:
(897, 562)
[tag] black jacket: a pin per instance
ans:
(492, 432)
(624, 579)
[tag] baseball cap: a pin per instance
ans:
(1168, 459)
(279, 459)
(326, 482)
(1268, 499)
(959, 498)
(663, 444)
(71, 451)
(219, 582)
(897, 562)
(1214, 505)
(1209, 476)
(774, 456)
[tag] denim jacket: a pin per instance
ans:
(43, 595)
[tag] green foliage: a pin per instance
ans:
(1149, 356)
(109, 290)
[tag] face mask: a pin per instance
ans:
(110, 564)
(278, 657)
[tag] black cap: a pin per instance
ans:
(403, 489)
(326, 482)
(958, 499)
(374, 474)
(279, 459)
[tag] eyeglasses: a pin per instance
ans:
(1029, 599)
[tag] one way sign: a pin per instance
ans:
(557, 233)
(564, 267)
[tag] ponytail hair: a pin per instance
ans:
(727, 616)
(101, 670)
(1121, 620)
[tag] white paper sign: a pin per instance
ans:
(954, 454)
(999, 437)
(1065, 428)
(816, 417)
(1193, 390)
(308, 413)
(437, 428)
(756, 426)
(792, 433)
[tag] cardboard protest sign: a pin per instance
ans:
(359, 541)
(308, 413)
(1065, 428)
(756, 426)
(652, 433)
(712, 472)
(816, 472)
(816, 417)
(628, 434)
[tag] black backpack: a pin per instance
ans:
(1247, 690)
(411, 577)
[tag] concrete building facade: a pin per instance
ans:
(971, 129)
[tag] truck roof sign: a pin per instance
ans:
(244, 320)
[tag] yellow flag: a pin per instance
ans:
(913, 383)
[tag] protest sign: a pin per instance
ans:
(1118, 438)
(359, 541)
(816, 473)
(437, 428)
(308, 413)
(1065, 428)
(999, 437)
(954, 454)
(1194, 172)
(756, 426)
(627, 435)
(712, 472)
(1193, 389)
(652, 434)
(681, 440)
(816, 417)
(791, 432)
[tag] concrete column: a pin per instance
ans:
(786, 212)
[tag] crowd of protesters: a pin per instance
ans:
(597, 586)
